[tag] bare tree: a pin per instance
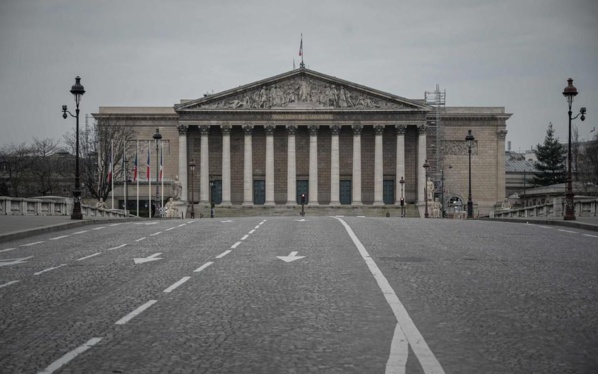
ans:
(103, 141)
(587, 167)
(49, 176)
(16, 162)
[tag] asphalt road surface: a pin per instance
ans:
(292, 295)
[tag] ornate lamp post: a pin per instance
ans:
(192, 167)
(157, 137)
(426, 166)
(570, 92)
(469, 139)
(77, 90)
(402, 182)
(442, 188)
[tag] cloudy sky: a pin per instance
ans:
(512, 53)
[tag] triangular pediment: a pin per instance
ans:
(301, 89)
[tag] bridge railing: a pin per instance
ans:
(556, 208)
(51, 206)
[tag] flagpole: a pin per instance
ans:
(137, 173)
(125, 175)
(162, 174)
(112, 171)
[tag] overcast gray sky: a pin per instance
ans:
(512, 53)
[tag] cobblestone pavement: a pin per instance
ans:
(217, 296)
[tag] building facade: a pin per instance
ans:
(337, 142)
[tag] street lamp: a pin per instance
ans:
(192, 167)
(570, 92)
(402, 182)
(157, 137)
(442, 188)
(426, 166)
(469, 139)
(77, 90)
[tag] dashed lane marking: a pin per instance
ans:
(202, 267)
(70, 356)
(156, 233)
(172, 228)
(8, 284)
(224, 253)
(245, 237)
(235, 245)
(60, 237)
(99, 228)
(257, 227)
(569, 231)
(140, 239)
(135, 313)
(117, 247)
(251, 232)
(30, 244)
(7, 249)
(422, 351)
(49, 269)
(80, 232)
(181, 225)
(178, 283)
(86, 257)
(591, 236)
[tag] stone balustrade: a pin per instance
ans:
(583, 208)
(50, 206)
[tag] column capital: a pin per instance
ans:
(182, 129)
(401, 129)
(502, 134)
(291, 129)
(335, 129)
(357, 129)
(225, 129)
(204, 130)
(313, 130)
(421, 129)
(248, 129)
(269, 130)
(379, 129)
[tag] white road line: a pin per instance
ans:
(156, 233)
(60, 237)
(424, 354)
(257, 227)
(571, 232)
(30, 244)
(8, 284)
(545, 227)
(86, 257)
(175, 285)
(49, 269)
(136, 312)
(80, 232)
(181, 225)
(224, 253)
(202, 267)
(235, 245)
(245, 237)
(172, 228)
(591, 236)
(99, 228)
(399, 351)
(7, 249)
(140, 239)
(251, 232)
(120, 246)
(114, 224)
(69, 356)
(191, 221)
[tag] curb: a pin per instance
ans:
(571, 224)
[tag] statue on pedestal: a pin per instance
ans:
(177, 189)
(101, 204)
(430, 189)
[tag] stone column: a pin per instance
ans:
(356, 193)
(500, 170)
(248, 167)
(269, 165)
(400, 168)
(378, 166)
(334, 166)
(421, 158)
(225, 164)
(313, 165)
(204, 166)
(291, 166)
(183, 162)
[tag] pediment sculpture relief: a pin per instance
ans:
(301, 93)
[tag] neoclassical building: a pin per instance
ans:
(339, 143)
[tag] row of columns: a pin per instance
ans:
(292, 167)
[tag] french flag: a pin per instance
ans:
(135, 168)
(110, 169)
(147, 173)
(161, 153)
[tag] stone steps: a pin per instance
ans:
(323, 210)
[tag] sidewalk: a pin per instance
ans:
(18, 227)
(585, 223)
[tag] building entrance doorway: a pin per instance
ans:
(345, 192)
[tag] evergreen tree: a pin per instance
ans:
(551, 161)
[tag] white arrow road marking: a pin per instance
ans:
(136, 312)
(8, 284)
(13, 261)
(69, 356)
(290, 258)
(49, 269)
(153, 257)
